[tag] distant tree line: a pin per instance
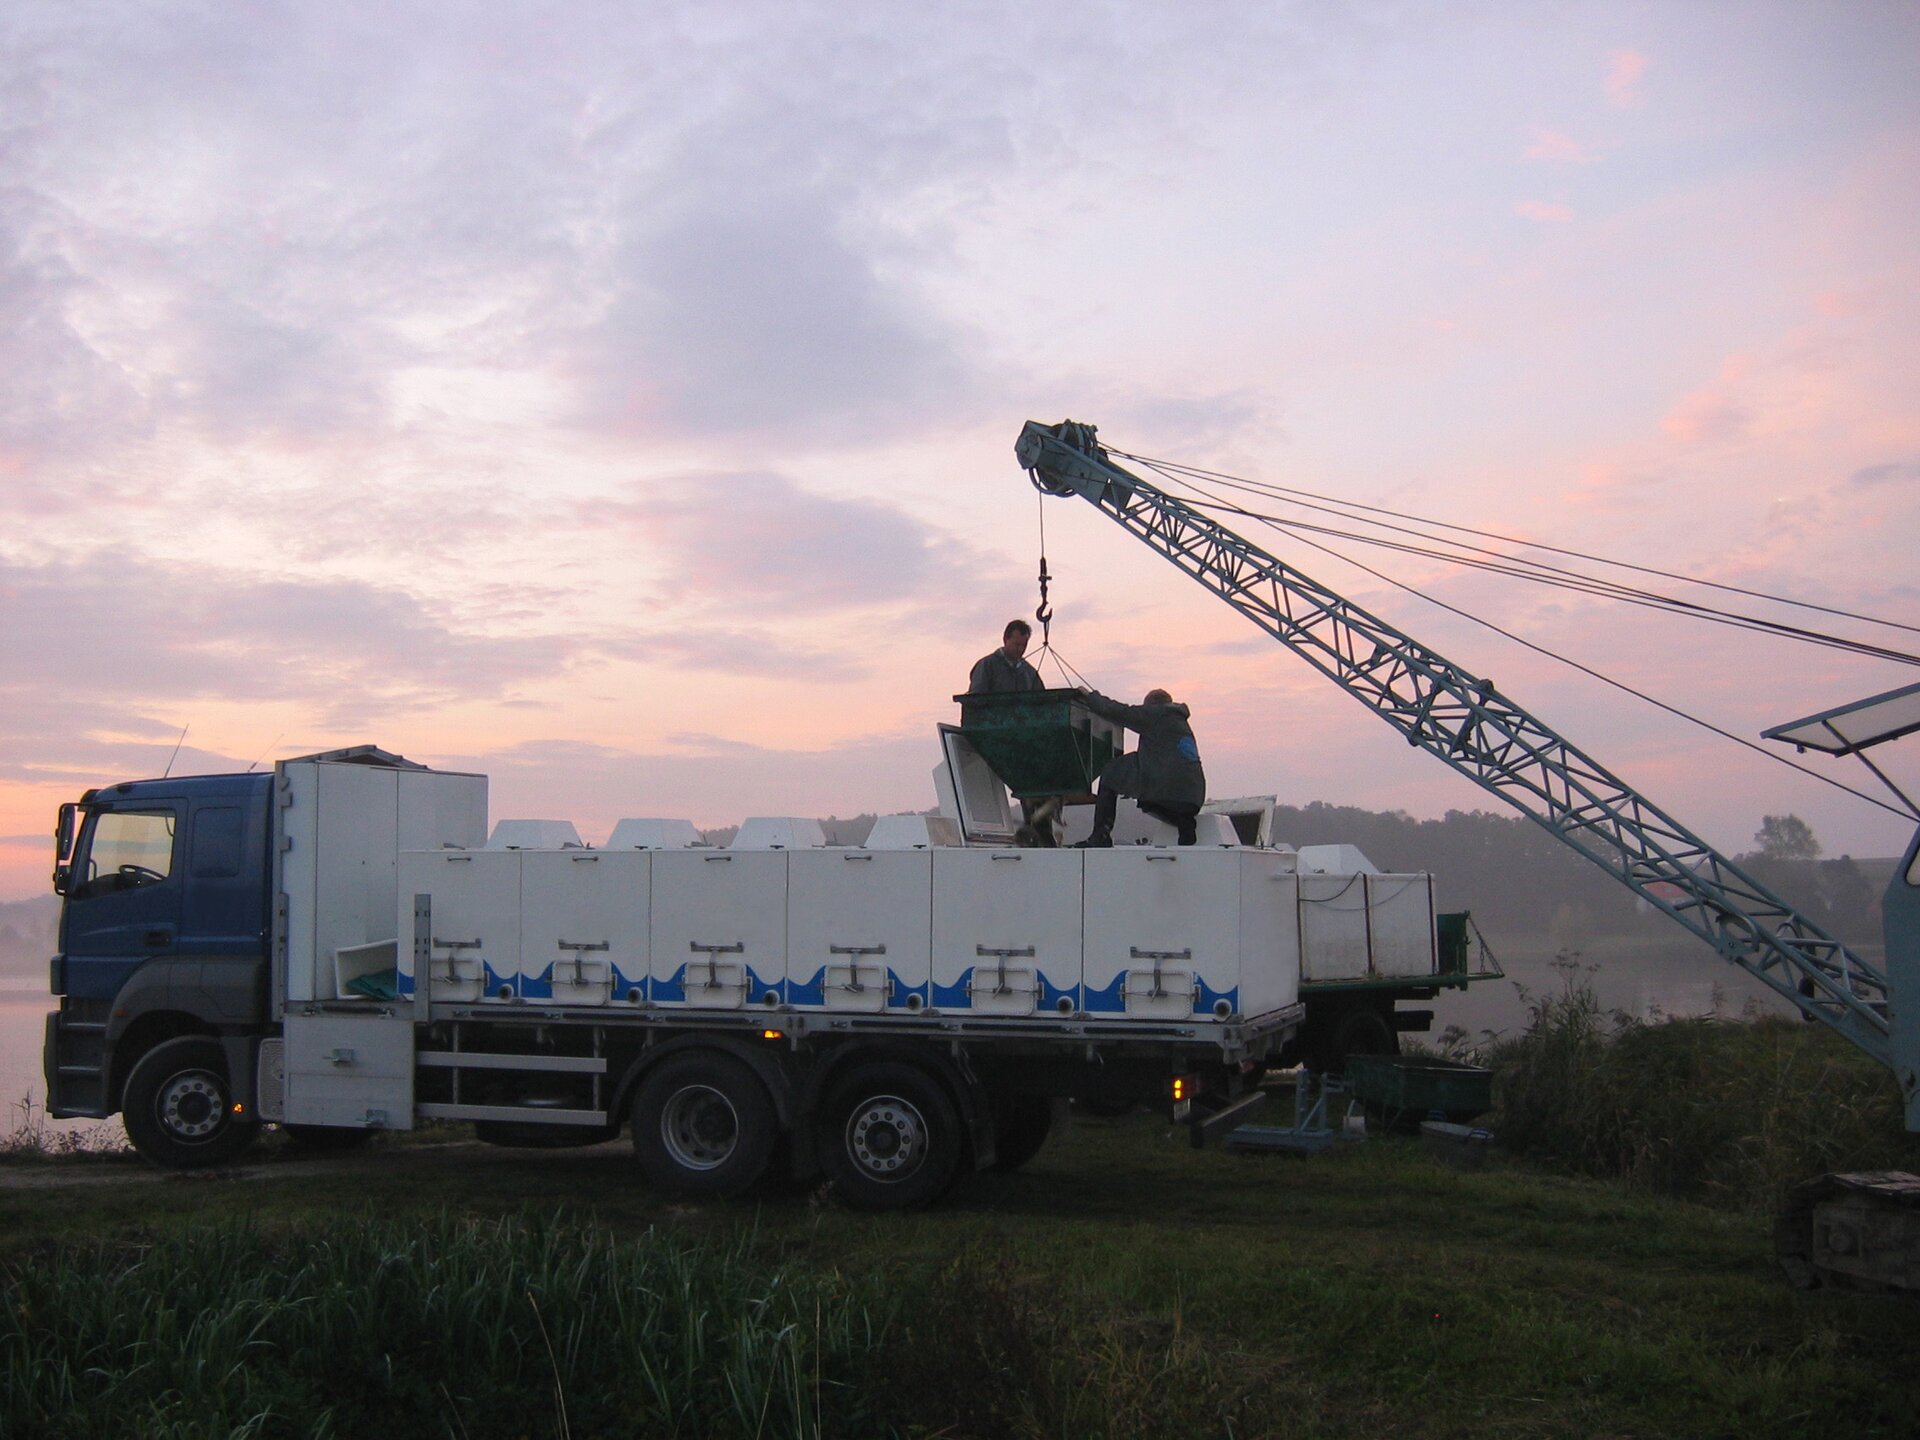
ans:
(1517, 877)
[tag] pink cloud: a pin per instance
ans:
(1557, 149)
(1705, 416)
(1624, 69)
(1608, 485)
(1840, 304)
(1546, 212)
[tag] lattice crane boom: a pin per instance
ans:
(1461, 719)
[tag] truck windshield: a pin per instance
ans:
(127, 849)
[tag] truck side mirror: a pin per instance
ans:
(63, 849)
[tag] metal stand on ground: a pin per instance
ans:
(1311, 1131)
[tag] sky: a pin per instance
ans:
(620, 399)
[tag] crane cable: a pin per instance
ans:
(1044, 611)
(1621, 685)
(1584, 585)
(1293, 496)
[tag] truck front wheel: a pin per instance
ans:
(703, 1126)
(179, 1109)
(890, 1138)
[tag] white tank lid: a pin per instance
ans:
(653, 834)
(1334, 860)
(913, 832)
(779, 832)
(534, 835)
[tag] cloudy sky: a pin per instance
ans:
(620, 398)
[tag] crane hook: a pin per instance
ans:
(1044, 612)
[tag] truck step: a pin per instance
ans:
(542, 1064)
(527, 1114)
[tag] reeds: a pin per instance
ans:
(1729, 1112)
(449, 1326)
(33, 1138)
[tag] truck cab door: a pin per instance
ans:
(123, 896)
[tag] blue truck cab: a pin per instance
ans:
(163, 938)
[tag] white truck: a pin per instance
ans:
(343, 946)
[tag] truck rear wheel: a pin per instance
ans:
(179, 1110)
(703, 1126)
(890, 1138)
(1363, 1030)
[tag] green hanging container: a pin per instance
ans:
(1040, 742)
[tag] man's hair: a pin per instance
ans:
(1012, 625)
(1159, 697)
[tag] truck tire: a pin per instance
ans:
(1021, 1125)
(890, 1138)
(178, 1109)
(1364, 1030)
(704, 1126)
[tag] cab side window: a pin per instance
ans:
(125, 850)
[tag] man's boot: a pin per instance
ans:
(1100, 839)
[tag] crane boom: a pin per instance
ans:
(1461, 719)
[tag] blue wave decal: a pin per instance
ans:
(623, 983)
(959, 995)
(672, 990)
(1109, 999)
(1206, 997)
(1051, 995)
(403, 983)
(537, 987)
(808, 992)
(899, 990)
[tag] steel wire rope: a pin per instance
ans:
(1169, 468)
(1044, 614)
(1538, 649)
(1051, 652)
(1538, 572)
(1521, 567)
(1583, 585)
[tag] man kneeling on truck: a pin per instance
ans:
(1163, 775)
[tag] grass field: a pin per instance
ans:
(1121, 1285)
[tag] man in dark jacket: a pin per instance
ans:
(1005, 669)
(1163, 775)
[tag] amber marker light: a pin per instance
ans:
(772, 1035)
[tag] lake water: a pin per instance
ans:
(23, 1087)
(1646, 978)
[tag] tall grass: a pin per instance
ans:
(509, 1328)
(1729, 1112)
(451, 1327)
(987, 1348)
(31, 1136)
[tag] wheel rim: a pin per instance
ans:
(887, 1138)
(192, 1105)
(699, 1127)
